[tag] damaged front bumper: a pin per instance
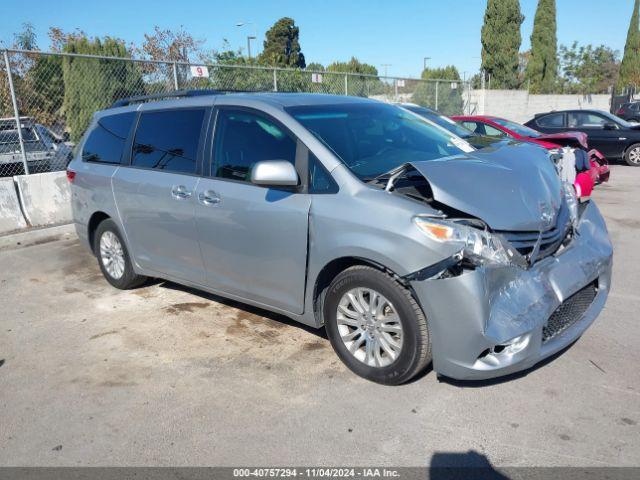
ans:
(497, 320)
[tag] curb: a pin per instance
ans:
(37, 236)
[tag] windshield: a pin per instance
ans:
(372, 139)
(516, 127)
(444, 122)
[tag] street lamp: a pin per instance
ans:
(424, 62)
(249, 37)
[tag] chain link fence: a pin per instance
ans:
(47, 99)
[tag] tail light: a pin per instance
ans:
(71, 175)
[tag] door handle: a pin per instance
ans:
(180, 192)
(209, 197)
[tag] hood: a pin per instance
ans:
(566, 139)
(508, 187)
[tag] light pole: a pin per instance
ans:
(385, 65)
(424, 62)
(249, 37)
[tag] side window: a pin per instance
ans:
(493, 132)
(168, 140)
(584, 119)
(243, 138)
(475, 127)
(555, 120)
(320, 181)
(106, 141)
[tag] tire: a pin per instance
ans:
(121, 276)
(414, 353)
(632, 155)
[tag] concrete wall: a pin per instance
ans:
(11, 217)
(520, 106)
(45, 198)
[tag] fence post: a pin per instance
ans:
(175, 76)
(16, 113)
(275, 80)
(346, 84)
(437, 83)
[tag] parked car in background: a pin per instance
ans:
(44, 150)
(476, 140)
(344, 212)
(594, 168)
(629, 112)
(497, 127)
(613, 137)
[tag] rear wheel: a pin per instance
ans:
(113, 257)
(632, 155)
(376, 327)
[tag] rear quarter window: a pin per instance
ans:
(105, 142)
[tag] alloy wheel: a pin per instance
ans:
(112, 254)
(634, 155)
(369, 327)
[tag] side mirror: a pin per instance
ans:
(610, 126)
(276, 173)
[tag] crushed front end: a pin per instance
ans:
(491, 319)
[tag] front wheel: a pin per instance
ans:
(376, 327)
(632, 155)
(113, 257)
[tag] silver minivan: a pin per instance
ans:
(406, 244)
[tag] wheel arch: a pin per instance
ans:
(334, 267)
(96, 219)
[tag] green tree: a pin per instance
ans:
(92, 84)
(282, 45)
(630, 67)
(442, 91)
(542, 68)
(588, 69)
(501, 40)
(315, 67)
(364, 85)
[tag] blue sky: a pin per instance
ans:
(400, 33)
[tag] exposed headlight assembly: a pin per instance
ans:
(569, 193)
(477, 245)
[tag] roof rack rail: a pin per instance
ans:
(159, 96)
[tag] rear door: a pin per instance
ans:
(551, 123)
(155, 192)
(253, 239)
(610, 142)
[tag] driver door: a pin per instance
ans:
(609, 142)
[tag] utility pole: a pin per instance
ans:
(385, 65)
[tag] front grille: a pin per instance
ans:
(571, 310)
(525, 242)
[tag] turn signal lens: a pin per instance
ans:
(71, 175)
(436, 231)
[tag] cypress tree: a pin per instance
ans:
(92, 84)
(630, 67)
(282, 46)
(542, 69)
(501, 42)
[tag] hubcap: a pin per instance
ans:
(112, 255)
(634, 155)
(370, 327)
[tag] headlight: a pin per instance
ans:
(569, 194)
(478, 246)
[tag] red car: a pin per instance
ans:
(500, 127)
